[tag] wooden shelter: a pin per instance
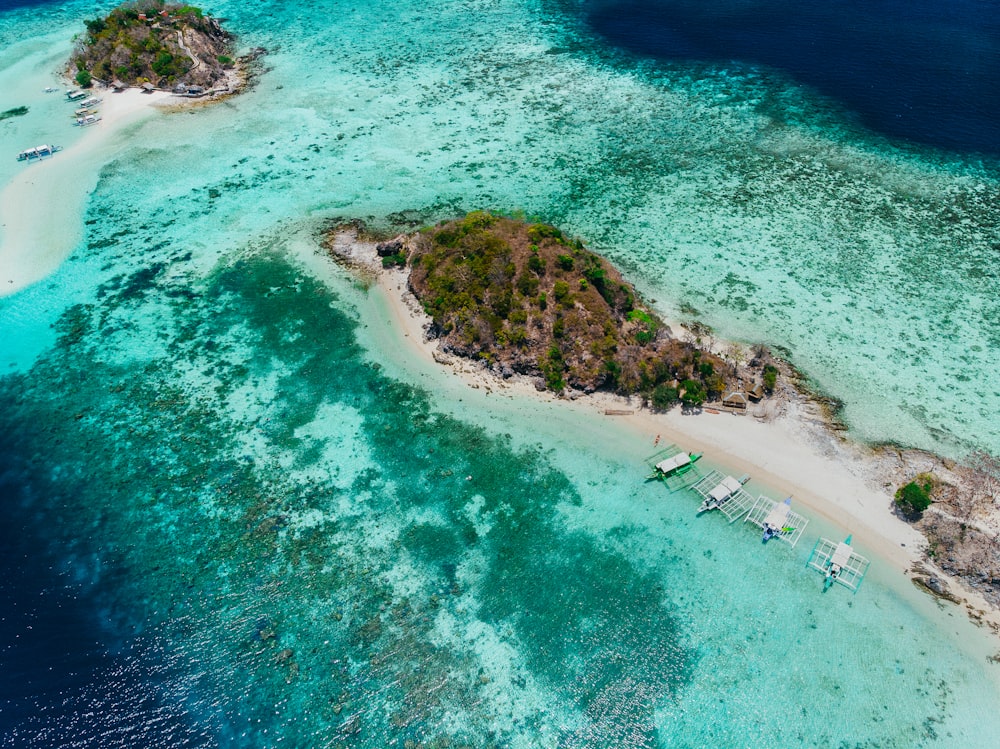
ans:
(735, 401)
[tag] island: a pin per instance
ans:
(526, 300)
(521, 302)
(157, 45)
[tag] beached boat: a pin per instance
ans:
(777, 520)
(676, 465)
(718, 492)
(38, 153)
(839, 564)
(90, 119)
(93, 101)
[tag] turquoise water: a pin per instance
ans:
(286, 540)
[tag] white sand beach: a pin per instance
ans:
(41, 207)
(791, 448)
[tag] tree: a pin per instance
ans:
(694, 393)
(84, 79)
(915, 497)
(663, 397)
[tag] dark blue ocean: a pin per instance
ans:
(920, 70)
(130, 615)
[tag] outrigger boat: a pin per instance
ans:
(37, 153)
(75, 95)
(675, 465)
(777, 520)
(93, 101)
(716, 497)
(90, 119)
(839, 563)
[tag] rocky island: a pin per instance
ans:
(159, 45)
(527, 300)
(524, 299)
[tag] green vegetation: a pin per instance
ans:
(770, 377)
(694, 394)
(84, 79)
(397, 260)
(528, 298)
(139, 42)
(915, 497)
(565, 262)
(664, 397)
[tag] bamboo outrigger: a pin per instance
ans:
(777, 520)
(670, 464)
(839, 563)
(725, 494)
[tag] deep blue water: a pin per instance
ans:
(67, 679)
(922, 70)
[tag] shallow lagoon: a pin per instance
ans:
(272, 528)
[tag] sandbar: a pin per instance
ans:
(41, 208)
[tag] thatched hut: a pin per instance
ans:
(735, 401)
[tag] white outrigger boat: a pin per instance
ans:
(93, 101)
(723, 493)
(75, 95)
(90, 119)
(37, 153)
(777, 520)
(839, 563)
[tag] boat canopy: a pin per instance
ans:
(853, 566)
(670, 464)
(787, 524)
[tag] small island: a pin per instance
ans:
(159, 45)
(525, 299)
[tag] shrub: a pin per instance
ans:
(553, 369)
(664, 397)
(224, 60)
(706, 369)
(913, 498)
(536, 265)
(397, 260)
(770, 377)
(538, 232)
(83, 79)
(527, 284)
(694, 393)
(164, 64)
(565, 262)
(543, 301)
(561, 292)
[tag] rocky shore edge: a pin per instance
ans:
(959, 562)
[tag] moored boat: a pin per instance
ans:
(90, 119)
(38, 152)
(676, 465)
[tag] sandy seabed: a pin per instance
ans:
(40, 208)
(787, 444)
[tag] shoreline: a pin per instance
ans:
(41, 208)
(791, 443)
